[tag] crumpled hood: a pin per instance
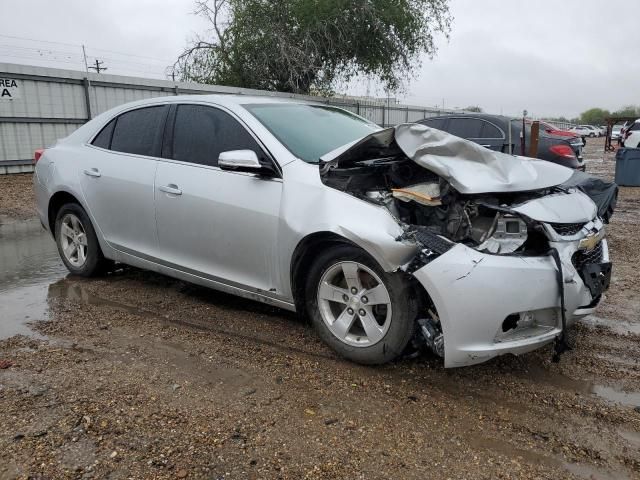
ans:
(471, 168)
(467, 166)
(573, 207)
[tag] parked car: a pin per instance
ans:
(632, 135)
(616, 131)
(553, 130)
(492, 131)
(598, 130)
(585, 131)
(379, 236)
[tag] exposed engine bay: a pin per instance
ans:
(419, 198)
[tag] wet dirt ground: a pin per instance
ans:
(136, 375)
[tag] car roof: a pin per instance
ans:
(231, 99)
(228, 101)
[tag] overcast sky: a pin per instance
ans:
(548, 56)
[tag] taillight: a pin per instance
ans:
(563, 151)
(37, 154)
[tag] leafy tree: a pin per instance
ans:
(474, 108)
(306, 46)
(627, 111)
(594, 116)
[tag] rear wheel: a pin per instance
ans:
(77, 242)
(362, 312)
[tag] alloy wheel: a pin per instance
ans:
(354, 304)
(73, 240)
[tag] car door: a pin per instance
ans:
(221, 225)
(117, 179)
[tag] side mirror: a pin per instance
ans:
(240, 160)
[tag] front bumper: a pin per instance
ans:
(476, 295)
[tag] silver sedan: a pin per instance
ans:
(387, 240)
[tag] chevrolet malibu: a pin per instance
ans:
(386, 239)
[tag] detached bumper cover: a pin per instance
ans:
(474, 293)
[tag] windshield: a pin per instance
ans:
(310, 131)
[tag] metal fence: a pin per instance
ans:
(46, 104)
(38, 105)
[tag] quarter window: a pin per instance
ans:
(491, 131)
(201, 133)
(434, 123)
(465, 127)
(103, 139)
(139, 131)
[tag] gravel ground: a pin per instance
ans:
(16, 197)
(136, 375)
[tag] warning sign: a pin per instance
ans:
(9, 89)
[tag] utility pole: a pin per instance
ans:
(84, 56)
(98, 66)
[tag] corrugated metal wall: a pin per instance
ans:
(53, 103)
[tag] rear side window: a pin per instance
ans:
(201, 133)
(139, 131)
(465, 127)
(635, 126)
(103, 139)
(434, 122)
(491, 131)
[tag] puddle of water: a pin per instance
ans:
(620, 327)
(583, 470)
(617, 396)
(632, 437)
(30, 262)
(584, 387)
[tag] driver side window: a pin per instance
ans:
(201, 133)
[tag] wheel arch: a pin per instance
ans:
(303, 256)
(56, 202)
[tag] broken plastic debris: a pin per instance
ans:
(423, 193)
(5, 364)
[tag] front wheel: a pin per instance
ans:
(77, 242)
(364, 313)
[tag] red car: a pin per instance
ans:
(552, 130)
(576, 141)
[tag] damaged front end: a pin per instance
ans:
(508, 256)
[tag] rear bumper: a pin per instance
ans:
(474, 293)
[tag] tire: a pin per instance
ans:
(395, 319)
(77, 242)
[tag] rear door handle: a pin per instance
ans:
(94, 172)
(171, 188)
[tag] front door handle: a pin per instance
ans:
(171, 188)
(94, 172)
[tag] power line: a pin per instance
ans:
(43, 41)
(79, 46)
(52, 52)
